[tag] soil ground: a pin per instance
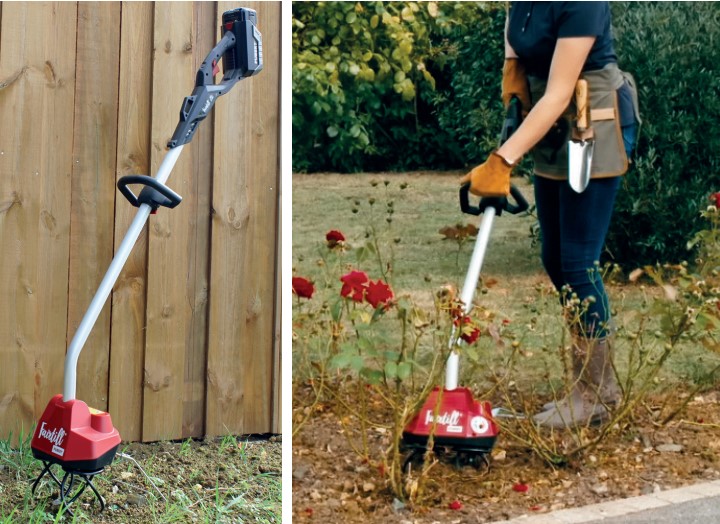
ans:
(233, 479)
(333, 484)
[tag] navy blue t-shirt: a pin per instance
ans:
(534, 28)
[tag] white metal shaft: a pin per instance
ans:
(108, 281)
(468, 292)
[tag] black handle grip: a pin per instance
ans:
(206, 74)
(154, 193)
(499, 203)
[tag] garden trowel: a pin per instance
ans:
(582, 142)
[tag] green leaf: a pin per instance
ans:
(332, 131)
(391, 355)
(341, 360)
(364, 344)
(407, 14)
(391, 369)
(379, 311)
(404, 370)
(471, 353)
(373, 376)
(336, 310)
(357, 362)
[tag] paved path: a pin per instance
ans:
(698, 504)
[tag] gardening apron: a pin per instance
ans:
(609, 159)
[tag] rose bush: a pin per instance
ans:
(372, 354)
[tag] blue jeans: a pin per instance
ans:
(573, 227)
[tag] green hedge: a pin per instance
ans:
(444, 109)
(364, 83)
(672, 50)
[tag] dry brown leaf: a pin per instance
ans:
(670, 292)
(635, 274)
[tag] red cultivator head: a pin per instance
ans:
(458, 421)
(75, 436)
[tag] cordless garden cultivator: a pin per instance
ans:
(80, 439)
(457, 422)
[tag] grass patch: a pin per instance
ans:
(228, 479)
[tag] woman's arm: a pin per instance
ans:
(568, 59)
(509, 51)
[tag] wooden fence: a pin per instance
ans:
(188, 344)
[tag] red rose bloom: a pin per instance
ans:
(302, 287)
(378, 293)
(354, 285)
(469, 332)
(334, 238)
(716, 198)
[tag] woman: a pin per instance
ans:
(548, 47)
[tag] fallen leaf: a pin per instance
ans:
(521, 488)
(635, 274)
(499, 454)
(599, 489)
(669, 448)
(670, 292)
(490, 282)
(455, 504)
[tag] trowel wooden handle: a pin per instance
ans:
(581, 102)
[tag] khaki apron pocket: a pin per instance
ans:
(609, 157)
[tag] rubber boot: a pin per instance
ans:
(593, 391)
(599, 365)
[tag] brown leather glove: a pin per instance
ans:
(514, 83)
(491, 179)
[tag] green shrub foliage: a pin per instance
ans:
(405, 85)
(362, 84)
(672, 49)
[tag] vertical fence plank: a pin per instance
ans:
(37, 69)
(277, 352)
(127, 347)
(169, 310)
(93, 187)
(205, 31)
(244, 225)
